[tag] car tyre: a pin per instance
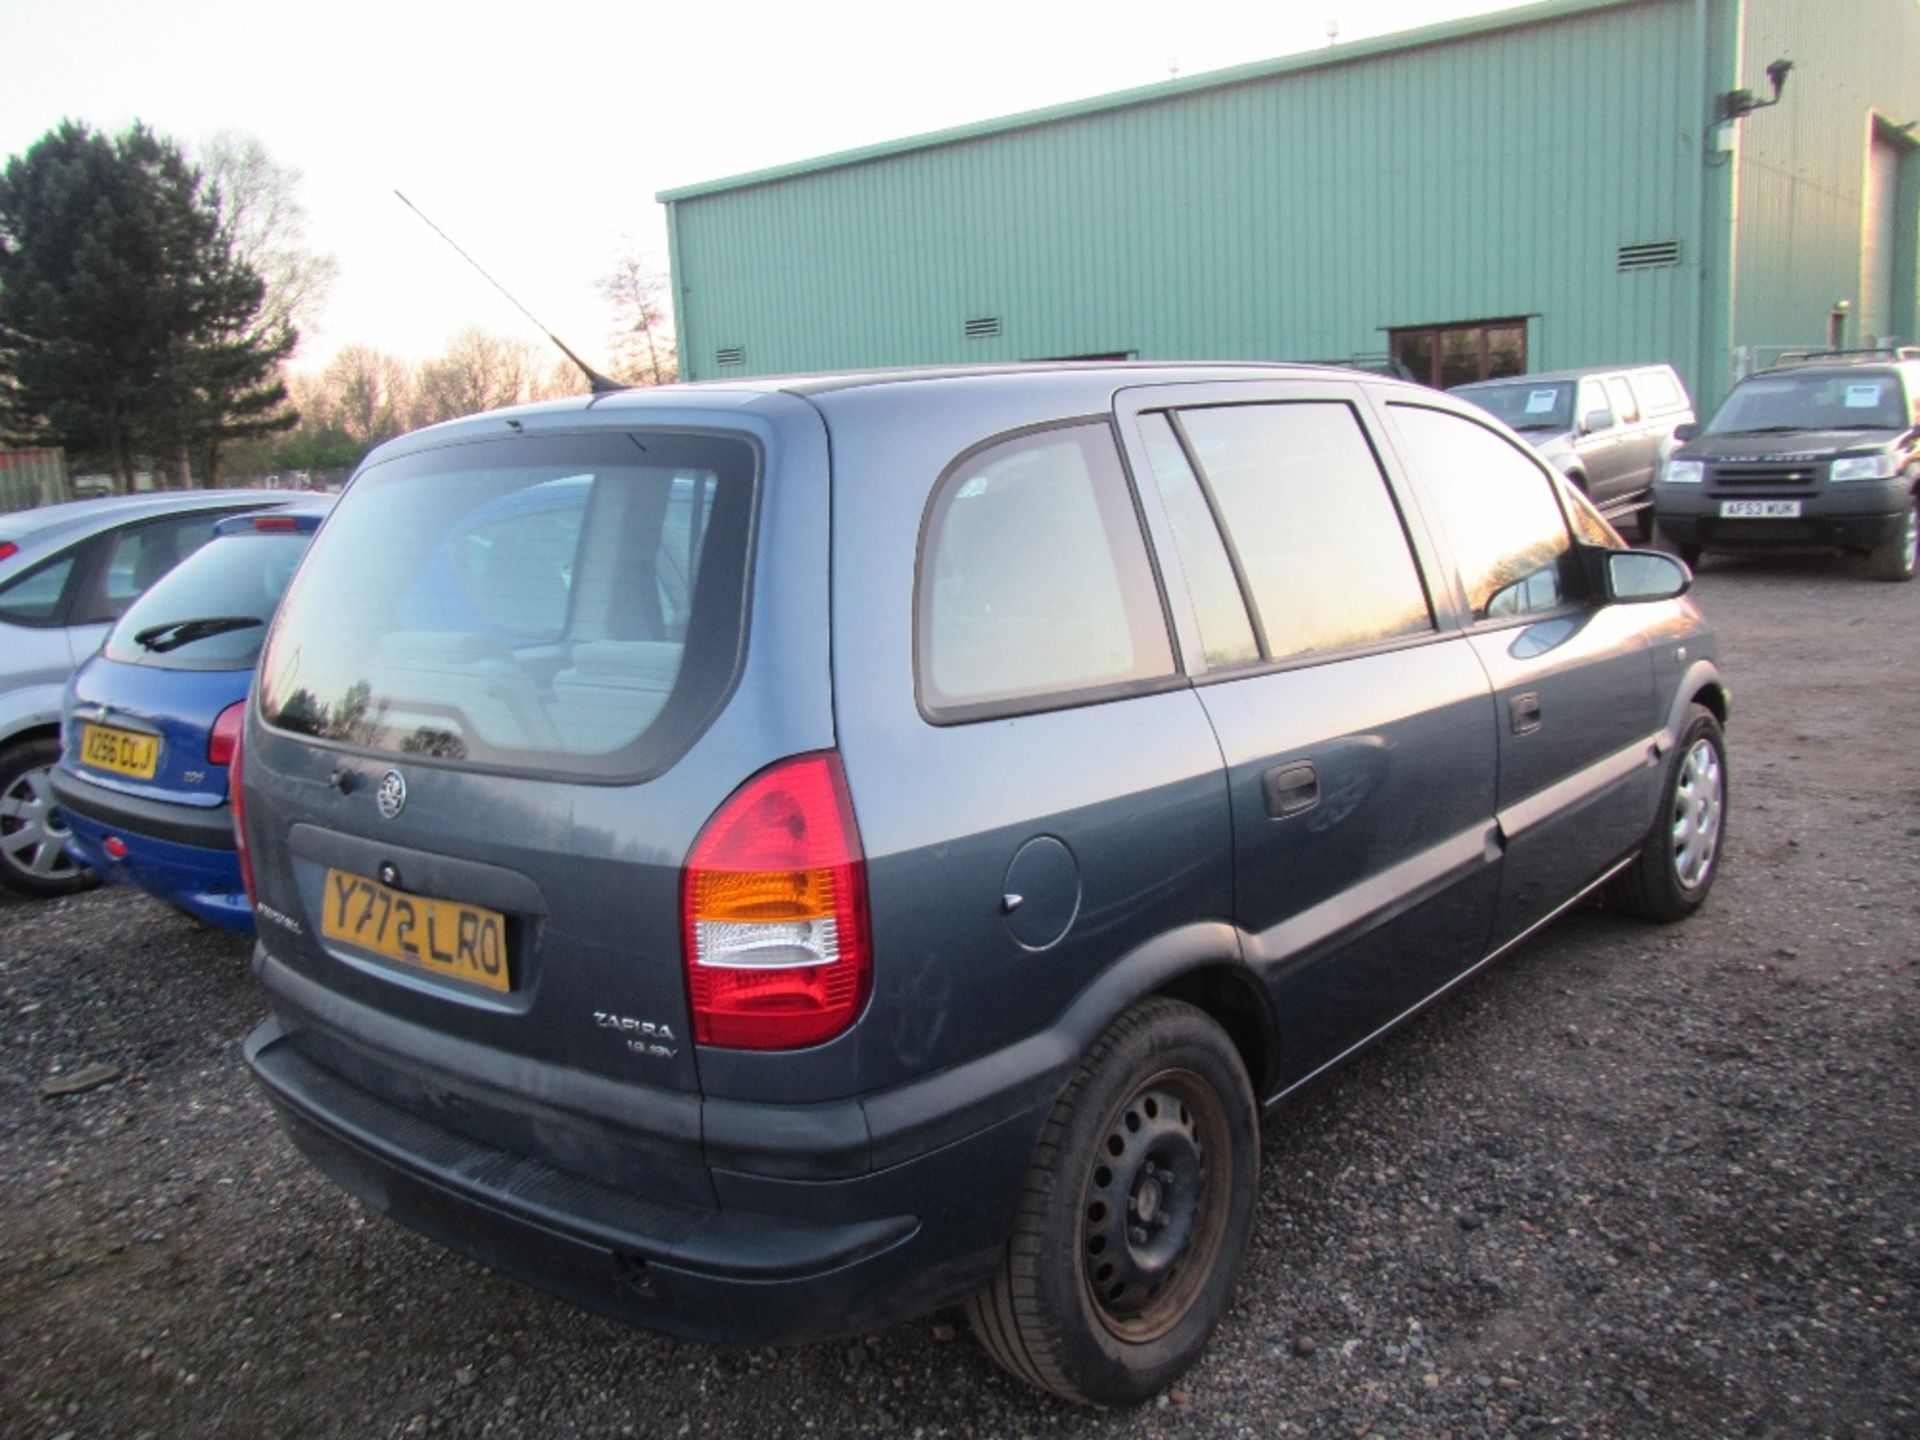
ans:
(33, 835)
(1135, 1213)
(1676, 865)
(1893, 559)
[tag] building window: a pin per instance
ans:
(1457, 354)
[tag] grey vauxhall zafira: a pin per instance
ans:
(764, 860)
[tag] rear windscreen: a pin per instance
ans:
(569, 604)
(210, 611)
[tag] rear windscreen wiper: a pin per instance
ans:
(175, 633)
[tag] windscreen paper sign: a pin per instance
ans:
(1863, 397)
(1540, 402)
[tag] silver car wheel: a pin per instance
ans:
(33, 833)
(1911, 540)
(1698, 802)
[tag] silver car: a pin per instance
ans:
(66, 573)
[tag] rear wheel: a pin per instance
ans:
(1893, 559)
(1135, 1214)
(33, 834)
(1681, 856)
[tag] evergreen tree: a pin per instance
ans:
(125, 322)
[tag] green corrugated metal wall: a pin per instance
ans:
(1489, 169)
(1802, 166)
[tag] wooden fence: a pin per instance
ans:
(32, 477)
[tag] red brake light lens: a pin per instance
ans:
(238, 793)
(8, 549)
(225, 738)
(773, 909)
(274, 522)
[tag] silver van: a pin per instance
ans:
(1608, 429)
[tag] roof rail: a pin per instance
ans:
(1872, 355)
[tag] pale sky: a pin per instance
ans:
(537, 135)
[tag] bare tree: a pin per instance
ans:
(477, 371)
(644, 350)
(367, 394)
(266, 228)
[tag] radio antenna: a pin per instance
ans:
(599, 384)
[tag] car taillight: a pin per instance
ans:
(8, 549)
(225, 738)
(773, 912)
(238, 793)
(274, 524)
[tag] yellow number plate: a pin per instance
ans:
(444, 936)
(105, 748)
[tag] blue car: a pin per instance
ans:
(149, 722)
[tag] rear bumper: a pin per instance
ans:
(202, 827)
(743, 1258)
(203, 882)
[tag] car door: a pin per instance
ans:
(1602, 459)
(1038, 789)
(1354, 719)
(1638, 441)
(1572, 675)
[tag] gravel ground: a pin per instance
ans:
(1630, 1182)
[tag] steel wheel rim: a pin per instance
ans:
(33, 833)
(1699, 805)
(1911, 551)
(1154, 1213)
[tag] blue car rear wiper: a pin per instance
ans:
(175, 633)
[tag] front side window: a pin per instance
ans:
(1498, 510)
(1034, 586)
(1593, 397)
(1312, 523)
(568, 604)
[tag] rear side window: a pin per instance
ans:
(1034, 586)
(1657, 388)
(1498, 510)
(139, 555)
(209, 612)
(569, 604)
(34, 598)
(1313, 526)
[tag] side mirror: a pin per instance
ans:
(1636, 575)
(1593, 420)
(1686, 432)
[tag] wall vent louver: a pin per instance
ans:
(1650, 256)
(985, 328)
(730, 355)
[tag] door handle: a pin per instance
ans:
(1524, 710)
(1291, 789)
